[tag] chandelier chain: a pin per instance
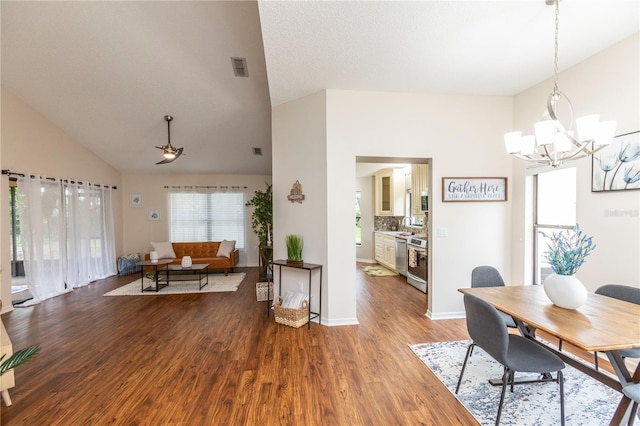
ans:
(555, 64)
(554, 142)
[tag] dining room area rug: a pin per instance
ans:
(217, 283)
(587, 401)
(378, 271)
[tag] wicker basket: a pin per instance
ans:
(291, 317)
(261, 291)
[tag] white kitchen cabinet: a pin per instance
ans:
(419, 188)
(385, 251)
(389, 192)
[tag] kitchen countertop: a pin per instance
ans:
(401, 234)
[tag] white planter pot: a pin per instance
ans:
(186, 262)
(565, 291)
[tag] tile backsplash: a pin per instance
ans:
(396, 223)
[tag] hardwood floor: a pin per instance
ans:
(215, 358)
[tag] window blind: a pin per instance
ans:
(206, 216)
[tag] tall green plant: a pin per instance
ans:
(294, 246)
(262, 216)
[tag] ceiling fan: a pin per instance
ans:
(169, 152)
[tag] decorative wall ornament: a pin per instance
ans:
(296, 195)
(154, 214)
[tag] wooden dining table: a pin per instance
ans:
(602, 324)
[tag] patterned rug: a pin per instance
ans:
(587, 401)
(217, 283)
(378, 271)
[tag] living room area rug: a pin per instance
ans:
(217, 283)
(378, 271)
(587, 401)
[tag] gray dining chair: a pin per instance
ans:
(633, 393)
(627, 294)
(488, 276)
(515, 353)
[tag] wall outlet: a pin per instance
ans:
(300, 286)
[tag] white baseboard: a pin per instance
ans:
(445, 315)
(340, 321)
(366, 260)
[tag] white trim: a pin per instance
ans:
(339, 322)
(445, 315)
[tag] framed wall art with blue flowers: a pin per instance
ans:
(617, 166)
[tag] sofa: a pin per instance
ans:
(217, 254)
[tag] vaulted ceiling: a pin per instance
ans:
(107, 72)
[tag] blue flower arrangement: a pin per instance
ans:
(568, 250)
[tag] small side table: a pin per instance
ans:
(309, 267)
(160, 263)
(265, 259)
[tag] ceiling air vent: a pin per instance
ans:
(240, 67)
(257, 151)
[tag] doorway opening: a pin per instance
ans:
(392, 196)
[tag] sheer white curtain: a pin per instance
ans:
(67, 233)
(90, 234)
(42, 229)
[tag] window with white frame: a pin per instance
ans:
(555, 210)
(204, 215)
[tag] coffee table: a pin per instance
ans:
(176, 273)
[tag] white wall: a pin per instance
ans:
(462, 134)
(607, 84)
(32, 144)
(299, 154)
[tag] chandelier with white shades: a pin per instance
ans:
(553, 142)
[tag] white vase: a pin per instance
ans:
(186, 262)
(565, 291)
(153, 256)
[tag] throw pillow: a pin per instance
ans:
(165, 250)
(226, 247)
(294, 299)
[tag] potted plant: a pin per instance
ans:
(294, 249)
(18, 358)
(262, 215)
(567, 251)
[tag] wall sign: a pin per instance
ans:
(474, 189)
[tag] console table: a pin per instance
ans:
(309, 267)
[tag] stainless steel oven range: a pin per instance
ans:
(417, 263)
